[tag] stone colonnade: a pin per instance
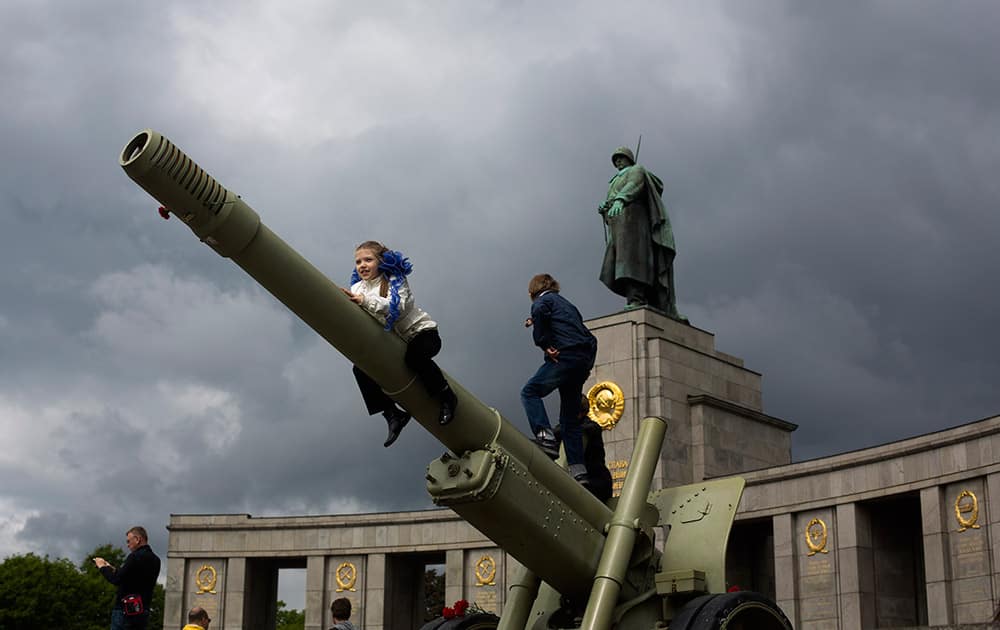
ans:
(900, 535)
(228, 564)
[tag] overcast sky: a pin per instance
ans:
(832, 172)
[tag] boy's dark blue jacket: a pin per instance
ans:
(558, 324)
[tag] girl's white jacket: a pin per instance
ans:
(411, 319)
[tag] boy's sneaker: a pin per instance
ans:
(548, 443)
(583, 479)
(579, 473)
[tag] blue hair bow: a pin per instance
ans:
(396, 267)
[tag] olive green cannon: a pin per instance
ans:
(586, 564)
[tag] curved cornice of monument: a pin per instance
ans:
(908, 465)
(746, 412)
(242, 535)
(201, 522)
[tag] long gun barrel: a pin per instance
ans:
(498, 480)
(493, 476)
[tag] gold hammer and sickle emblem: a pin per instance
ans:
(347, 575)
(816, 537)
(205, 579)
(967, 503)
(486, 571)
(607, 403)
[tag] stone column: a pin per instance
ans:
(374, 607)
(857, 583)
(968, 535)
(173, 604)
(454, 576)
(785, 591)
(315, 590)
(236, 574)
(816, 568)
(937, 565)
(993, 519)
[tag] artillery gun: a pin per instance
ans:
(586, 564)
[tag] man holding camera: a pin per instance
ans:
(135, 580)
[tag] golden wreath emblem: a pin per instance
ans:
(486, 571)
(816, 537)
(967, 503)
(205, 579)
(347, 576)
(607, 403)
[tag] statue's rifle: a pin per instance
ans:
(603, 210)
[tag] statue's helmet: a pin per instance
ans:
(625, 151)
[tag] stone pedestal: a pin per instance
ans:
(712, 402)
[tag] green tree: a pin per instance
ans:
(289, 618)
(156, 608)
(433, 591)
(37, 592)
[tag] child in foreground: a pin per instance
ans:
(378, 285)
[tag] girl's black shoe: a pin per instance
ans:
(448, 403)
(397, 419)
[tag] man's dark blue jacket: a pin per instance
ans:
(136, 576)
(556, 323)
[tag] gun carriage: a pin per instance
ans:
(587, 565)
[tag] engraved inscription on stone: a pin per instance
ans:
(618, 468)
(817, 608)
(972, 565)
(817, 565)
(486, 599)
(968, 590)
(814, 585)
(969, 545)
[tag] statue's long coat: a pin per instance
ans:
(640, 242)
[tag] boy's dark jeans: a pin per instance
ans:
(568, 375)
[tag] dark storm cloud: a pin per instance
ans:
(830, 174)
(866, 210)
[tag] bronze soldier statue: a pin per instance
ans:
(639, 259)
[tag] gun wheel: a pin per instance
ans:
(742, 610)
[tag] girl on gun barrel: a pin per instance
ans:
(378, 285)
